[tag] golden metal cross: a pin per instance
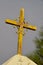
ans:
(21, 26)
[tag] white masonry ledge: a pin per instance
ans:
(19, 60)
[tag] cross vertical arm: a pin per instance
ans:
(20, 38)
(20, 31)
(21, 20)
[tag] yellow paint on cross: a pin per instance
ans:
(21, 26)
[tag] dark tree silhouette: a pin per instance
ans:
(37, 56)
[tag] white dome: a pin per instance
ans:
(19, 60)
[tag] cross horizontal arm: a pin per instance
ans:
(12, 22)
(28, 26)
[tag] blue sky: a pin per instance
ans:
(8, 37)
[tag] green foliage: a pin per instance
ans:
(37, 56)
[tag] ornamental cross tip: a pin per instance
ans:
(21, 24)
